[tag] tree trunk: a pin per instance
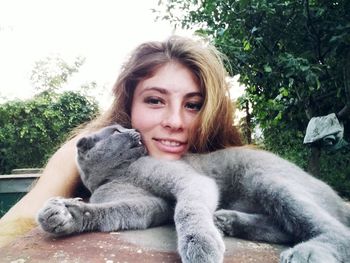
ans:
(314, 161)
(248, 119)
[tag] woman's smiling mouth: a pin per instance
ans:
(170, 146)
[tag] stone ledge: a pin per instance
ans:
(19, 176)
(17, 183)
(149, 246)
(27, 171)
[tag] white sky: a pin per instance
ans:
(102, 31)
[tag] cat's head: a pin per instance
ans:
(109, 149)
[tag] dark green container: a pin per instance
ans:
(14, 186)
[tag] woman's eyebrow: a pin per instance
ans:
(194, 94)
(165, 91)
(158, 89)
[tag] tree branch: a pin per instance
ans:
(313, 32)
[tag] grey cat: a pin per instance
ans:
(259, 196)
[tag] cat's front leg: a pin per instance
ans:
(198, 238)
(62, 216)
(202, 245)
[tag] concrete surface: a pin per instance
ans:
(17, 183)
(151, 245)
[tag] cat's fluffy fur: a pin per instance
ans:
(259, 196)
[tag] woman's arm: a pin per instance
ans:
(60, 178)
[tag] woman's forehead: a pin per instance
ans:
(171, 77)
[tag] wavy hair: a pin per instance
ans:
(215, 130)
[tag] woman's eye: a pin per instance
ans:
(153, 101)
(195, 106)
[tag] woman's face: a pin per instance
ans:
(164, 109)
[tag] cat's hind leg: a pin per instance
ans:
(256, 227)
(326, 248)
(324, 238)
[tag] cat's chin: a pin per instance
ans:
(141, 149)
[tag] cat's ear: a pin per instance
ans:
(84, 144)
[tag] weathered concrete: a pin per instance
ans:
(151, 245)
(27, 171)
(13, 187)
(17, 183)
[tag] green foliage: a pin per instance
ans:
(335, 169)
(31, 130)
(289, 54)
(287, 144)
(293, 57)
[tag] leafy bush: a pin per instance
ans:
(335, 170)
(31, 130)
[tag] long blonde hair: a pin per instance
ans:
(216, 130)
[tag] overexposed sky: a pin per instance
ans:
(103, 31)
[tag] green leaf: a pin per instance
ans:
(246, 45)
(267, 68)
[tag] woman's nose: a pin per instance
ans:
(173, 119)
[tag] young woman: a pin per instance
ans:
(173, 92)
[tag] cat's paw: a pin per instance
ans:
(61, 216)
(224, 221)
(310, 252)
(202, 246)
